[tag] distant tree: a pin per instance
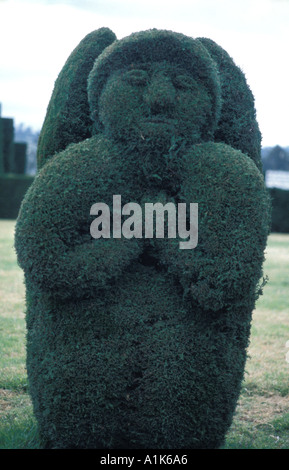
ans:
(276, 159)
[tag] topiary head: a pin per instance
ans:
(155, 87)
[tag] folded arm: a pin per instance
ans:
(53, 241)
(233, 224)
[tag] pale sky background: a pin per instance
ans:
(37, 36)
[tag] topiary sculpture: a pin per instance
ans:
(134, 342)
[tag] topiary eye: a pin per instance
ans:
(184, 82)
(136, 77)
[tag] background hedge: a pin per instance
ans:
(280, 210)
(13, 182)
(8, 144)
(20, 152)
(1, 148)
(12, 190)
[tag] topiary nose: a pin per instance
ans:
(160, 94)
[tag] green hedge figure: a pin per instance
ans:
(134, 342)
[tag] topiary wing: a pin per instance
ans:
(237, 125)
(68, 118)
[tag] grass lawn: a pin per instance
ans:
(262, 416)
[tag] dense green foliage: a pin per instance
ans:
(12, 190)
(185, 56)
(134, 343)
(237, 126)
(67, 119)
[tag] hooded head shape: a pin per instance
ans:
(156, 47)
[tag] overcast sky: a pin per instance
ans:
(37, 36)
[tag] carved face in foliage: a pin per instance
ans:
(155, 89)
(159, 103)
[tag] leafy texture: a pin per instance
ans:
(135, 343)
(237, 125)
(67, 119)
